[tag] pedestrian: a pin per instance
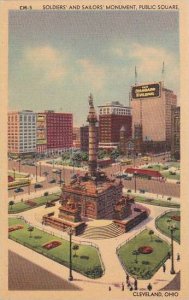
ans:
(164, 268)
(178, 256)
(128, 283)
(122, 286)
(169, 255)
(109, 288)
(127, 278)
(135, 284)
(149, 287)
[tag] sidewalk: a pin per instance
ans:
(153, 196)
(114, 273)
(33, 195)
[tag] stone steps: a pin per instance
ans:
(103, 232)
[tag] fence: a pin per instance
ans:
(65, 237)
(152, 271)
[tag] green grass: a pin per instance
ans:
(86, 262)
(17, 175)
(148, 264)
(157, 202)
(169, 176)
(22, 206)
(154, 167)
(162, 225)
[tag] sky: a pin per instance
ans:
(57, 58)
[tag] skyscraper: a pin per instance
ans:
(112, 117)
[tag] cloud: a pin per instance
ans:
(46, 60)
(92, 73)
(149, 61)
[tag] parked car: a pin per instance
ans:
(50, 204)
(18, 190)
(142, 191)
(52, 181)
(38, 185)
(60, 181)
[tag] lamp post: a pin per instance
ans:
(70, 232)
(172, 229)
(19, 161)
(135, 173)
(40, 168)
(36, 172)
(14, 174)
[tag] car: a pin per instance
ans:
(127, 178)
(52, 181)
(60, 181)
(37, 186)
(50, 204)
(142, 191)
(18, 190)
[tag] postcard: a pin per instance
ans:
(94, 160)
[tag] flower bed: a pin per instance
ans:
(31, 203)
(175, 218)
(16, 227)
(145, 249)
(51, 245)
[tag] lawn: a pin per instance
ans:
(86, 260)
(17, 175)
(154, 167)
(169, 176)
(163, 222)
(157, 202)
(22, 206)
(146, 265)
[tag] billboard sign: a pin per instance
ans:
(146, 91)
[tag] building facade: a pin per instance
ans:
(84, 137)
(151, 107)
(112, 117)
(76, 137)
(41, 132)
(59, 127)
(175, 133)
(22, 133)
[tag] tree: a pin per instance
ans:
(11, 203)
(151, 233)
(75, 248)
(30, 229)
(136, 253)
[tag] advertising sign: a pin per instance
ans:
(146, 91)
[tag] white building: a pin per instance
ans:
(22, 132)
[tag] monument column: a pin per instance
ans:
(92, 119)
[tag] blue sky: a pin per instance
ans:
(56, 58)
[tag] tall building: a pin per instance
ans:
(59, 128)
(41, 133)
(22, 133)
(175, 132)
(112, 117)
(151, 107)
(76, 137)
(84, 137)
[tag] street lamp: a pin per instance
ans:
(70, 232)
(19, 161)
(172, 229)
(36, 172)
(14, 174)
(40, 168)
(135, 173)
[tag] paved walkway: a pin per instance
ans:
(153, 196)
(36, 194)
(114, 273)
